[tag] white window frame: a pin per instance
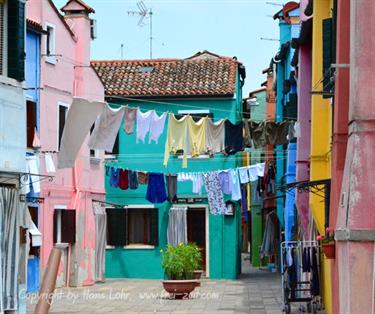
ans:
(51, 57)
(62, 104)
(59, 208)
(5, 41)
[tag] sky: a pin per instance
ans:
(181, 28)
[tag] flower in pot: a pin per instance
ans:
(179, 263)
(328, 243)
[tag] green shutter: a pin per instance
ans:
(154, 227)
(117, 226)
(16, 39)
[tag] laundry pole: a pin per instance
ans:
(355, 233)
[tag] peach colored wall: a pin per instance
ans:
(74, 188)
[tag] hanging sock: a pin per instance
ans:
(143, 124)
(171, 187)
(176, 138)
(214, 195)
(233, 137)
(156, 192)
(106, 128)
(81, 116)
(197, 136)
(215, 136)
(130, 116)
(157, 126)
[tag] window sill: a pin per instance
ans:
(51, 60)
(139, 247)
(61, 245)
(94, 160)
(110, 247)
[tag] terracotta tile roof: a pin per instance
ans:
(34, 25)
(84, 5)
(204, 74)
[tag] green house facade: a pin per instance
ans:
(205, 84)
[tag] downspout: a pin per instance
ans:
(355, 233)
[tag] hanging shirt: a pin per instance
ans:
(143, 124)
(276, 133)
(233, 137)
(214, 194)
(236, 187)
(176, 138)
(130, 116)
(123, 179)
(197, 136)
(215, 136)
(258, 134)
(106, 128)
(156, 192)
(197, 180)
(156, 126)
(260, 169)
(226, 183)
(253, 173)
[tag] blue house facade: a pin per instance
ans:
(203, 85)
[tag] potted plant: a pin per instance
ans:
(328, 243)
(179, 263)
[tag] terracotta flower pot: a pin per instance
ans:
(180, 289)
(329, 250)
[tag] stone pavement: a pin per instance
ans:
(255, 292)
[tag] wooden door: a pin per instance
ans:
(196, 227)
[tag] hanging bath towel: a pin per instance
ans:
(197, 136)
(215, 136)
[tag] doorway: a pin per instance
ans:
(196, 232)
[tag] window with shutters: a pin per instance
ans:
(50, 44)
(132, 227)
(64, 225)
(30, 122)
(62, 113)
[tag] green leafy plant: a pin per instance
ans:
(180, 262)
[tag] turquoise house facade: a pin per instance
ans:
(205, 84)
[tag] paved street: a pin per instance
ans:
(257, 291)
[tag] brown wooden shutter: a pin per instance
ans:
(117, 226)
(55, 213)
(31, 122)
(68, 226)
(154, 227)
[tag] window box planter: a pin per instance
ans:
(329, 250)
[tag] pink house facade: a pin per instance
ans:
(66, 215)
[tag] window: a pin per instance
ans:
(132, 227)
(64, 225)
(50, 44)
(62, 112)
(115, 150)
(30, 122)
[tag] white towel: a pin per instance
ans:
(106, 128)
(50, 166)
(260, 169)
(143, 124)
(156, 126)
(244, 175)
(33, 168)
(81, 116)
(253, 173)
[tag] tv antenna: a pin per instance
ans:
(143, 13)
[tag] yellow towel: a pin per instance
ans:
(197, 136)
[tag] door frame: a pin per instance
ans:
(206, 209)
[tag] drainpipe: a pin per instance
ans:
(355, 233)
(340, 128)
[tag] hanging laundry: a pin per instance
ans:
(297, 130)
(114, 177)
(247, 137)
(133, 180)
(176, 138)
(291, 134)
(171, 187)
(236, 187)
(244, 175)
(183, 176)
(233, 137)
(258, 134)
(157, 126)
(260, 169)
(276, 133)
(156, 192)
(214, 194)
(50, 166)
(253, 173)
(197, 180)
(197, 136)
(81, 116)
(106, 128)
(36, 140)
(142, 177)
(143, 124)
(215, 136)
(123, 179)
(129, 120)
(226, 182)
(244, 203)
(177, 226)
